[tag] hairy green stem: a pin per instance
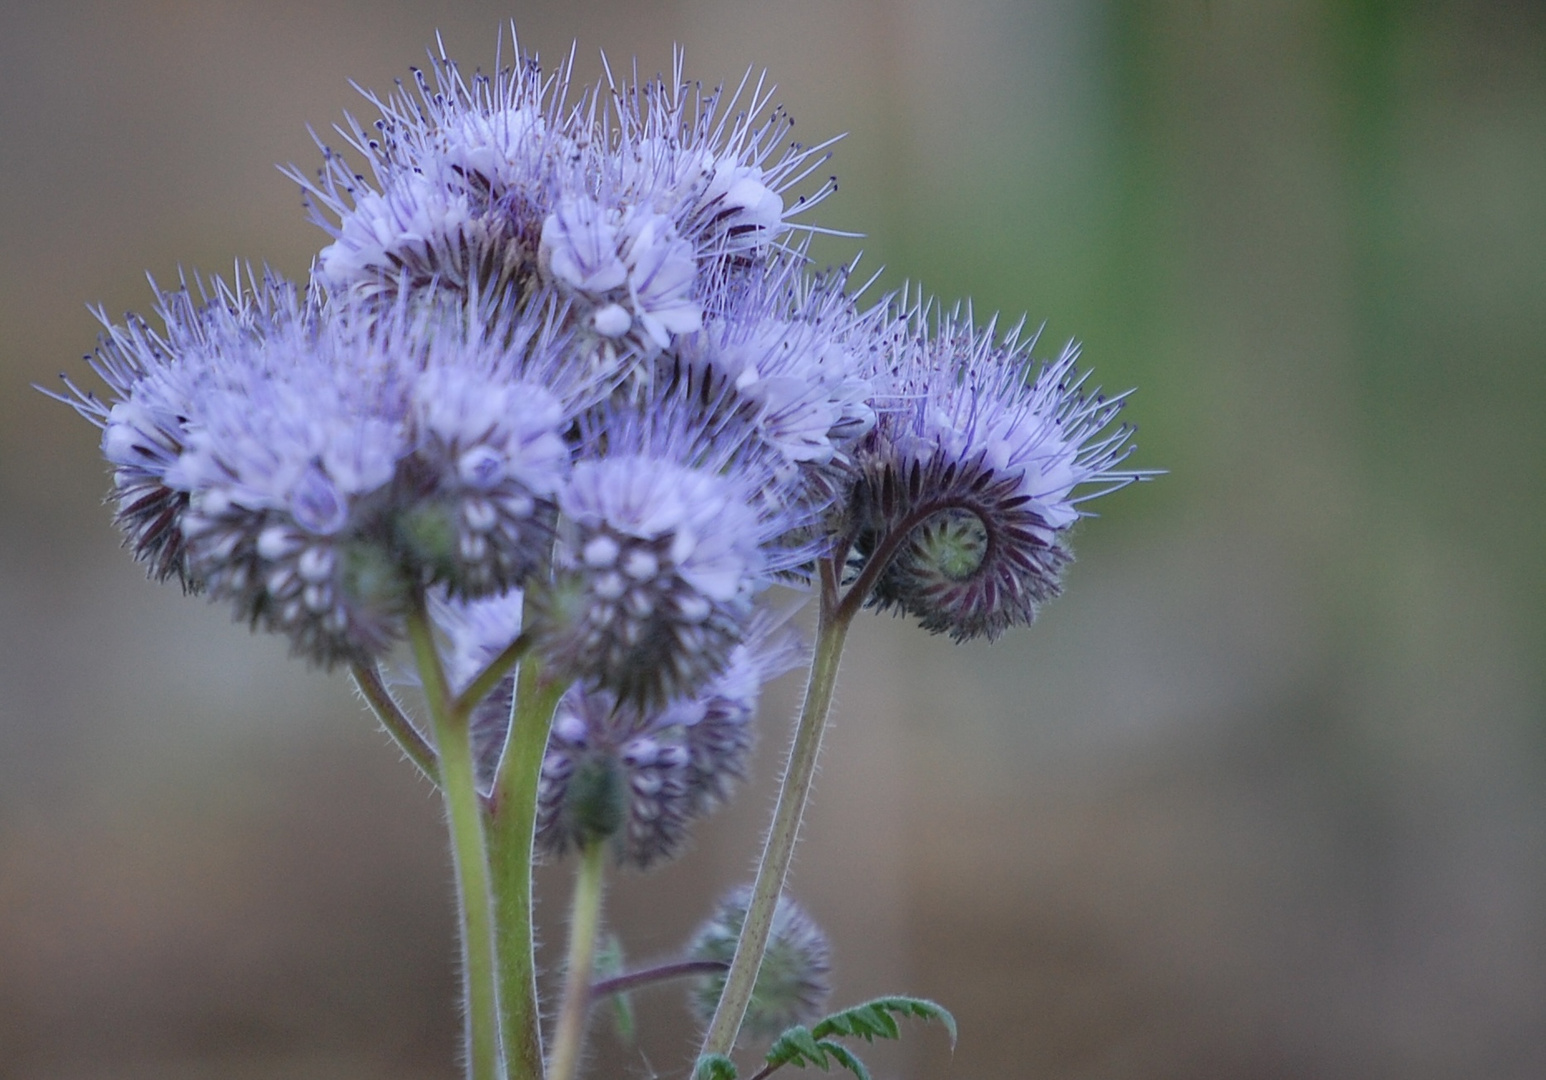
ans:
(835, 620)
(464, 812)
(512, 828)
(396, 723)
(635, 980)
(485, 681)
(584, 920)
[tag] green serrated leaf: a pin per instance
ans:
(846, 1058)
(875, 1019)
(796, 1046)
(714, 1067)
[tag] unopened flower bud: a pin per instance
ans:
(794, 981)
(971, 484)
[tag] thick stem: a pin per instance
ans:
(396, 721)
(584, 920)
(779, 848)
(459, 784)
(512, 825)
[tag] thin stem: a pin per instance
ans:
(836, 617)
(396, 722)
(881, 555)
(512, 828)
(459, 784)
(634, 980)
(584, 919)
(490, 677)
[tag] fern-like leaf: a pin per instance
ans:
(872, 1020)
(846, 1058)
(797, 1046)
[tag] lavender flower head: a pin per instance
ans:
(460, 175)
(501, 184)
(572, 348)
(312, 463)
(789, 354)
(489, 459)
(715, 164)
(976, 473)
(667, 533)
(144, 427)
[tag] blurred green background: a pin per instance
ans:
(1262, 796)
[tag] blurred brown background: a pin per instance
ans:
(1261, 796)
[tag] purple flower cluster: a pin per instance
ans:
(638, 776)
(563, 361)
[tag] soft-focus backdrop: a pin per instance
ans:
(1261, 797)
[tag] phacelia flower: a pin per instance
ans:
(631, 270)
(488, 186)
(421, 233)
(725, 182)
(144, 429)
(460, 181)
(792, 355)
(311, 462)
(664, 540)
(488, 460)
(975, 474)
(636, 777)
(793, 983)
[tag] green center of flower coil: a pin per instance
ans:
(953, 542)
